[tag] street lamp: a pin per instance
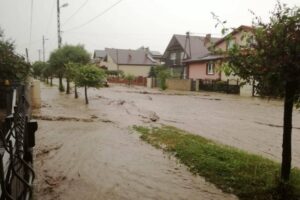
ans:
(58, 22)
(44, 39)
(64, 5)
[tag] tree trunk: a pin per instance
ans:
(86, 97)
(61, 86)
(290, 90)
(68, 86)
(51, 82)
(76, 93)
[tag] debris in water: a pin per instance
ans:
(47, 150)
(153, 117)
(120, 102)
(94, 117)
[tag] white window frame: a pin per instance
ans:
(210, 68)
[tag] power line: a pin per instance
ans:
(99, 15)
(82, 5)
(30, 43)
(50, 19)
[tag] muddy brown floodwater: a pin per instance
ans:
(89, 152)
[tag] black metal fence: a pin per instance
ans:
(220, 86)
(16, 143)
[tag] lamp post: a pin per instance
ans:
(58, 22)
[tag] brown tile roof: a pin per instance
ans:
(130, 57)
(236, 30)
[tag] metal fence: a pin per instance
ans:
(16, 143)
(220, 86)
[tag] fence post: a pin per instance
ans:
(197, 85)
(227, 86)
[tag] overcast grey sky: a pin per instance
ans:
(129, 25)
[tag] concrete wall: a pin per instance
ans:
(35, 91)
(179, 84)
(246, 90)
(150, 82)
(232, 79)
(136, 70)
(198, 71)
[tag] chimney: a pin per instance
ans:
(207, 39)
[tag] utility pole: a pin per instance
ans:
(58, 25)
(39, 50)
(27, 57)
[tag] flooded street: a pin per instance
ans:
(89, 152)
(252, 124)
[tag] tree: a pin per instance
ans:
(273, 62)
(72, 70)
(90, 76)
(162, 73)
(129, 78)
(12, 65)
(47, 73)
(152, 72)
(59, 58)
(38, 68)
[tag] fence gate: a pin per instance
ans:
(16, 143)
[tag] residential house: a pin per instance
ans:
(182, 47)
(135, 62)
(206, 67)
(98, 58)
(156, 55)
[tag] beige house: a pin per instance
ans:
(134, 62)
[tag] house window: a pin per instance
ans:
(173, 58)
(182, 56)
(230, 44)
(210, 68)
(251, 41)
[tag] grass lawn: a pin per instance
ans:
(249, 176)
